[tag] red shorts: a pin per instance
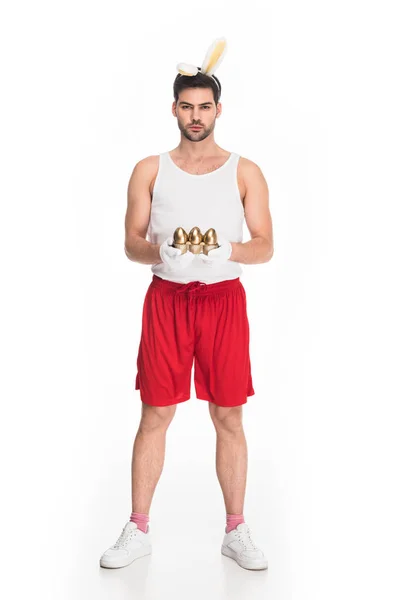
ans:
(204, 322)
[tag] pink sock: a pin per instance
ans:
(232, 521)
(141, 520)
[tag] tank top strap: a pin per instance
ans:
(164, 160)
(235, 158)
(235, 161)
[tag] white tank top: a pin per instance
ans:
(181, 199)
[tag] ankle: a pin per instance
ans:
(141, 520)
(232, 521)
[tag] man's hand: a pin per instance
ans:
(173, 257)
(218, 256)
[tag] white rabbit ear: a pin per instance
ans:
(214, 56)
(186, 69)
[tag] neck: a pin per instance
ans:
(197, 150)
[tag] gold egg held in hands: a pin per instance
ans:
(180, 239)
(195, 240)
(210, 240)
(210, 237)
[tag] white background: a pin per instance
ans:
(310, 93)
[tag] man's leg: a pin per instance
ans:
(147, 463)
(231, 455)
(148, 454)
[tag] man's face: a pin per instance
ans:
(196, 106)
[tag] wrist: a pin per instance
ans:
(157, 254)
(234, 250)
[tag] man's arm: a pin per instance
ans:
(258, 219)
(137, 218)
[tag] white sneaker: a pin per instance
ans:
(133, 543)
(237, 544)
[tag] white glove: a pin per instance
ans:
(218, 256)
(173, 257)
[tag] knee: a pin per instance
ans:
(156, 417)
(226, 419)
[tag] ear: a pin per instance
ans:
(219, 110)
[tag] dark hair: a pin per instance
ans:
(200, 80)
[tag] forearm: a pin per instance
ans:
(140, 250)
(255, 251)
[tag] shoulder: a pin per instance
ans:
(248, 166)
(147, 165)
(249, 172)
(145, 172)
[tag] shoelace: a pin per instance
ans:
(245, 538)
(124, 538)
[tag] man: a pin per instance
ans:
(195, 307)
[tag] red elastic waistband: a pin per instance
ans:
(198, 287)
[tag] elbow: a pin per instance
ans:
(128, 251)
(269, 253)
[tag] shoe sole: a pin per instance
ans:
(253, 565)
(124, 563)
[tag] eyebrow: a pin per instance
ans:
(188, 103)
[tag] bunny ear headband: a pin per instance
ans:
(212, 60)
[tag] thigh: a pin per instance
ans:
(165, 355)
(222, 351)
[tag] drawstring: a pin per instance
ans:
(191, 286)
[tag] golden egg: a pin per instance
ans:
(195, 236)
(180, 236)
(210, 236)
